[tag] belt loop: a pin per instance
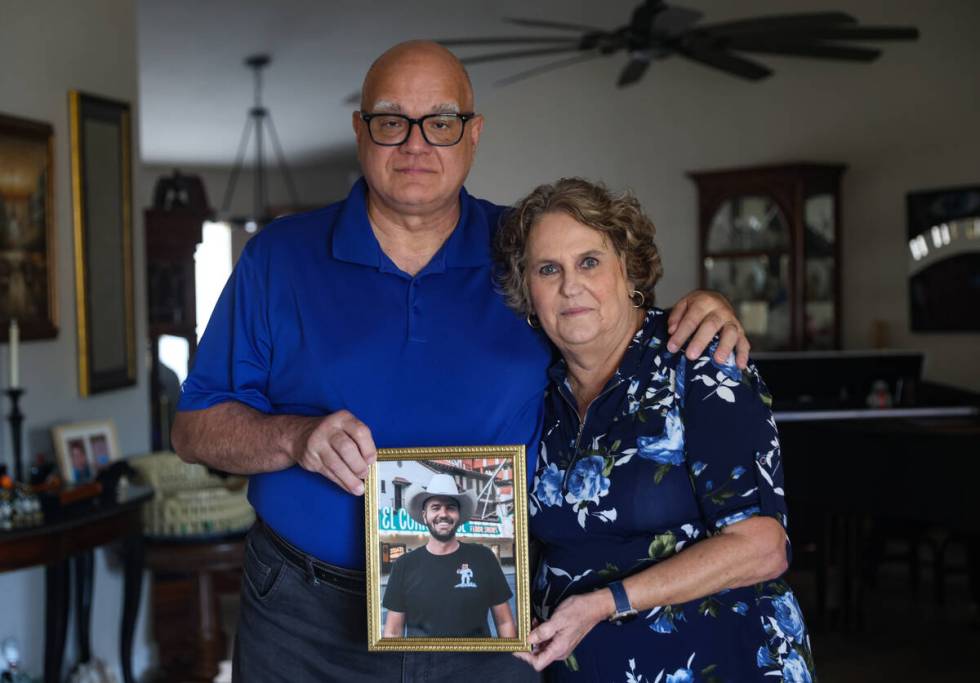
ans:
(310, 573)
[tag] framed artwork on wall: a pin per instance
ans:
(27, 228)
(101, 164)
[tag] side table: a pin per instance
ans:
(189, 575)
(71, 534)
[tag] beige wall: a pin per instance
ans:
(905, 122)
(48, 48)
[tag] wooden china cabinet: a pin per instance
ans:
(173, 227)
(769, 238)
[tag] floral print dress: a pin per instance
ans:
(670, 452)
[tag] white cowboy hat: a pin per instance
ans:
(440, 485)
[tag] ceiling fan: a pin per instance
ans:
(657, 30)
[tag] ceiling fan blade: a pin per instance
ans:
(544, 68)
(633, 71)
(517, 54)
(544, 23)
(462, 42)
(719, 59)
(776, 23)
(672, 19)
(815, 50)
(862, 33)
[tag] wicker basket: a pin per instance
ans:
(189, 501)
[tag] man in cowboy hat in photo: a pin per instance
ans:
(446, 587)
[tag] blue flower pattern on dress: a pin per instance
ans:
(795, 669)
(586, 483)
(788, 620)
(670, 452)
(547, 486)
(667, 449)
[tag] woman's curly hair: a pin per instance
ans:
(619, 218)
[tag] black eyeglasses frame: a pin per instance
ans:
(464, 117)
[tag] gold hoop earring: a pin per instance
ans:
(637, 293)
(531, 319)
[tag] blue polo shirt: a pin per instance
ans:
(316, 318)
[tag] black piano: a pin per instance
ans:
(867, 444)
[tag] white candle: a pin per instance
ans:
(14, 354)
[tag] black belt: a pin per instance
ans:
(347, 579)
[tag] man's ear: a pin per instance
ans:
(476, 129)
(355, 122)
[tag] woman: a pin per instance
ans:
(658, 486)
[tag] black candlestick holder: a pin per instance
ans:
(16, 419)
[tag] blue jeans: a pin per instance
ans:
(295, 629)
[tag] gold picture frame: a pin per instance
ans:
(101, 168)
(85, 448)
(27, 236)
(491, 482)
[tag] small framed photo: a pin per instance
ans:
(447, 549)
(84, 448)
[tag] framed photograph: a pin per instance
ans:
(101, 166)
(447, 550)
(27, 228)
(84, 448)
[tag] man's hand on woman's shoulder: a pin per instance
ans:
(701, 315)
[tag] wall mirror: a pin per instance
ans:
(102, 207)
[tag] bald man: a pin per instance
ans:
(371, 322)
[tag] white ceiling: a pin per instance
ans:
(195, 90)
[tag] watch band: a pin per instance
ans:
(624, 610)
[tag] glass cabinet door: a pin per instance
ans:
(769, 242)
(748, 260)
(748, 223)
(820, 274)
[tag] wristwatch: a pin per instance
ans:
(624, 610)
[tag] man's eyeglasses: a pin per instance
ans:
(440, 130)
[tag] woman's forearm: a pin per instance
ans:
(743, 554)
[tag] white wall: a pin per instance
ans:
(905, 122)
(48, 48)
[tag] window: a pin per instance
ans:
(212, 266)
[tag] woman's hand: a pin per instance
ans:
(556, 638)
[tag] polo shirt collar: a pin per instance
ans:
(353, 239)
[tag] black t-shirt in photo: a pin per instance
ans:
(447, 595)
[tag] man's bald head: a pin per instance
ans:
(417, 56)
(416, 178)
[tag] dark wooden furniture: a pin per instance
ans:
(188, 578)
(769, 242)
(854, 473)
(172, 235)
(69, 536)
(912, 473)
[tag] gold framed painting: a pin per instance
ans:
(27, 228)
(447, 550)
(101, 167)
(84, 449)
